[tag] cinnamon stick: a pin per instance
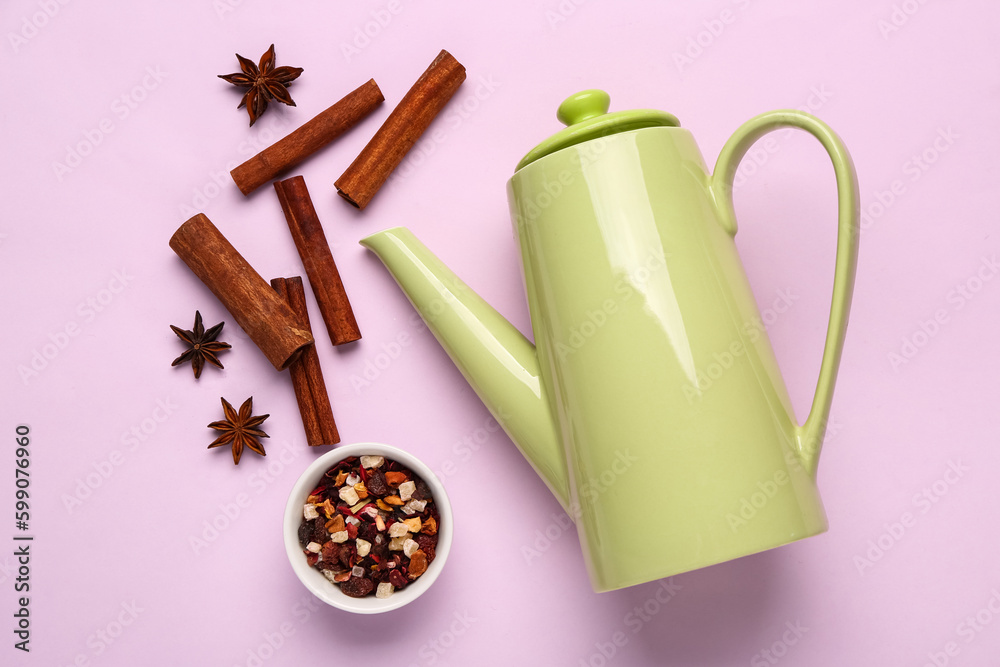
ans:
(401, 130)
(307, 375)
(307, 232)
(307, 139)
(266, 318)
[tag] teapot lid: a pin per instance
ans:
(586, 116)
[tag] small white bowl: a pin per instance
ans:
(314, 580)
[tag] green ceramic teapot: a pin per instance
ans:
(651, 403)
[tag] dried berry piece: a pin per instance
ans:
(368, 531)
(423, 492)
(397, 578)
(328, 565)
(345, 555)
(305, 533)
(357, 587)
(330, 552)
(427, 544)
(311, 558)
(319, 533)
(377, 484)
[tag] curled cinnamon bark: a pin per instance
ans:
(401, 130)
(307, 139)
(307, 375)
(310, 240)
(267, 319)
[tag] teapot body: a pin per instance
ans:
(680, 441)
(651, 403)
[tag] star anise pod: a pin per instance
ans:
(239, 429)
(203, 345)
(266, 82)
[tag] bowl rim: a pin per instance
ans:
(313, 579)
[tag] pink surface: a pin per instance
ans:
(121, 483)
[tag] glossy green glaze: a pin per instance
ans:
(653, 406)
(496, 359)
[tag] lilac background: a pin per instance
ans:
(164, 144)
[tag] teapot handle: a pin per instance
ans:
(810, 434)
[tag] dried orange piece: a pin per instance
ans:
(430, 527)
(393, 500)
(328, 509)
(418, 564)
(336, 524)
(394, 479)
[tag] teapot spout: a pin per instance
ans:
(497, 360)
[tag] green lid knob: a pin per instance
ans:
(586, 114)
(583, 106)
